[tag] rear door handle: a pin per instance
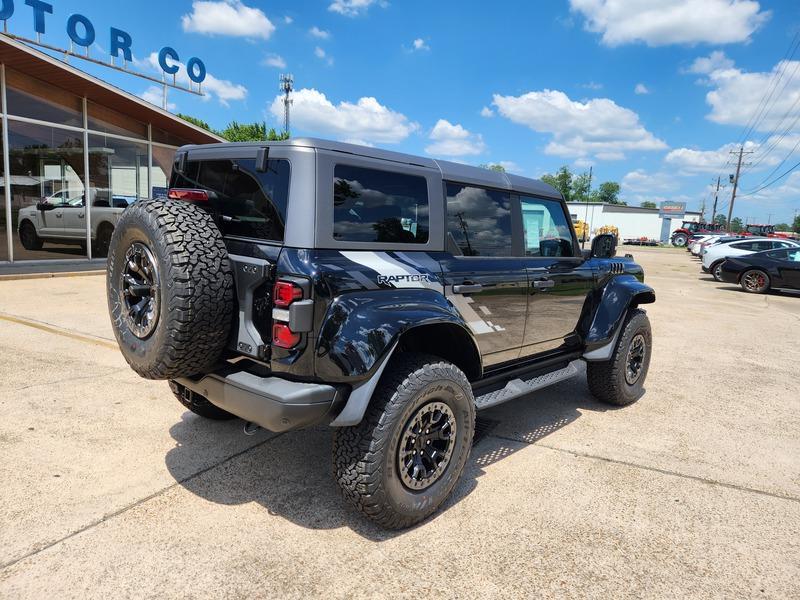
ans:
(543, 284)
(467, 288)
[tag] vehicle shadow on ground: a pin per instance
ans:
(290, 475)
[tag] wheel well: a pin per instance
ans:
(26, 222)
(448, 341)
(105, 225)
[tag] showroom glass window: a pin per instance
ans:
(374, 205)
(47, 192)
(3, 219)
(479, 220)
(35, 99)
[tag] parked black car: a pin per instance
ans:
(762, 271)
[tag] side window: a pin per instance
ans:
(244, 202)
(479, 220)
(743, 246)
(547, 232)
(794, 256)
(779, 254)
(372, 205)
(761, 246)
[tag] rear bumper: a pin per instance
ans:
(274, 403)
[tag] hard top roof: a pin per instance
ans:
(451, 171)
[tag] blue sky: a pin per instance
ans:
(651, 96)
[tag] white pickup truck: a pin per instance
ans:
(61, 219)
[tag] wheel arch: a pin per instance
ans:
(447, 340)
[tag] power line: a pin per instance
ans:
(774, 181)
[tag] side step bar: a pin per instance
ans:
(520, 387)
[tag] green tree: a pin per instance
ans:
(782, 227)
(721, 220)
(195, 121)
(493, 167)
(250, 132)
(648, 204)
(796, 224)
(608, 192)
(562, 181)
(581, 188)
(736, 225)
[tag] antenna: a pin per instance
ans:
(286, 86)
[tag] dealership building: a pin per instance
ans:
(65, 132)
(632, 222)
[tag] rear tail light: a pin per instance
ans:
(188, 195)
(284, 293)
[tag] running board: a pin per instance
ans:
(520, 387)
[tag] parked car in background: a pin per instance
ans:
(721, 239)
(762, 271)
(716, 255)
(61, 219)
(694, 244)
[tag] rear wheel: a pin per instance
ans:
(716, 270)
(401, 462)
(103, 241)
(755, 281)
(620, 380)
(28, 237)
(679, 240)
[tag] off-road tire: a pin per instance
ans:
(607, 380)
(198, 404)
(365, 456)
(751, 290)
(194, 294)
(680, 240)
(28, 237)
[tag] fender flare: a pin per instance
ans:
(616, 298)
(362, 330)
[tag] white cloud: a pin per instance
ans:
(487, 112)
(671, 21)
(288, 20)
(640, 180)
(690, 161)
(227, 17)
(366, 120)
(322, 55)
(274, 60)
(222, 89)
(641, 89)
(592, 85)
(353, 8)
(155, 95)
(738, 95)
(453, 140)
(715, 61)
(419, 44)
(597, 128)
(510, 166)
(319, 33)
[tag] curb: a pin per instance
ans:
(15, 276)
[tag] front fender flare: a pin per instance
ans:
(612, 304)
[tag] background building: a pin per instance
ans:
(65, 132)
(632, 221)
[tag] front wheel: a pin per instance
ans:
(620, 380)
(29, 238)
(679, 240)
(402, 461)
(716, 270)
(755, 281)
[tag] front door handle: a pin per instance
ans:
(543, 284)
(467, 288)
(80, 215)
(58, 215)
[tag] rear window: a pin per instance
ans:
(243, 201)
(373, 205)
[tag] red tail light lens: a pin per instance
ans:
(283, 337)
(285, 293)
(188, 195)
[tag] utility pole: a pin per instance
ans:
(286, 86)
(736, 181)
(716, 195)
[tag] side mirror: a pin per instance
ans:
(44, 205)
(604, 246)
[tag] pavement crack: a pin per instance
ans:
(50, 328)
(669, 472)
(132, 505)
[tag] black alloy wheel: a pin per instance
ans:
(634, 362)
(140, 290)
(426, 445)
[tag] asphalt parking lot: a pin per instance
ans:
(110, 489)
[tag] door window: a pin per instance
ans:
(546, 230)
(479, 220)
(372, 205)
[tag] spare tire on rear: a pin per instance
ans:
(170, 289)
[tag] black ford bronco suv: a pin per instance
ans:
(387, 295)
